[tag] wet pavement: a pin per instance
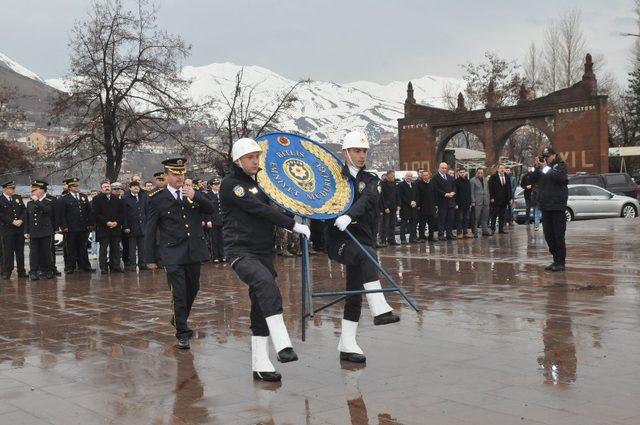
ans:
(497, 341)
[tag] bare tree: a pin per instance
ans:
(551, 59)
(125, 84)
(533, 70)
(572, 47)
(502, 73)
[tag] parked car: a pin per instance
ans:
(587, 201)
(618, 183)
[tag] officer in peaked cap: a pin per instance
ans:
(39, 230)
(176, 213)
(75, 221)
(216, 238)
(12, 217)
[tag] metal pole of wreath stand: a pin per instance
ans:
(307, 285)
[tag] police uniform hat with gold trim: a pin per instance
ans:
(175, 165)
(72, 181)
(159, 175)
(9, 185)
(39, 184)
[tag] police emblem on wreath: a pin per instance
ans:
(303, 177)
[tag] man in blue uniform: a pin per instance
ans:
(39, 230)
(76, 222)
(175, 212)
(12, 217)
(249, 221)
(361, 274)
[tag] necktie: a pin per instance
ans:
(178, 195)
(502, 179)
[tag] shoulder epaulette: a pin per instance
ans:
(154, 191)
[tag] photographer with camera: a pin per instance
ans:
(551, 178)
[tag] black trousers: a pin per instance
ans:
(52, 252)
(40, 255)
(112, 244)
(13, 247)
(426, 223)
(217, 243)
(388, 226)
(359, 271)
(408, 221)
(76, 251)
(445, 220)
(555, 226)
(125, 248)
(260, 275)
(184, 283)
(498, 212)
(135, 244)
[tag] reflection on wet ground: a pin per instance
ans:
(498, 341)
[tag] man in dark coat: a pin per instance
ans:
(426, 207)
(13, 214)
(175, 213)
(389, 207)
(527, 184)
(408, 196)
(500, 196)
(110, 214)
(39, 230)
(551, 179)
(445, 191)
(215, 234)
(136, 207)
(76, 223)
(463, 202)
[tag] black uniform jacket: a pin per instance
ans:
(363, 211)
(407, 194)
(39, 221)
(9, 211)
(248, 217)
(75, 214)
(136, 213)
(426, 198)
(553, 192)
(216, 217)
(500, 194)
(179, 226)
(108, 209)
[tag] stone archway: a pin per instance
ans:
(574, 119)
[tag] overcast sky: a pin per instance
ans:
(333, 40)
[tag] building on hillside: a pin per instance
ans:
(45, 141)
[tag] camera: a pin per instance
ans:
(542, 158)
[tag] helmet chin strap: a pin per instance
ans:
(239, 164)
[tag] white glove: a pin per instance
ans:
(342, 222)
(302, 229)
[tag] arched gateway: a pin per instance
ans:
(574, 119)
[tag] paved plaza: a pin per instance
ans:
(497, 341)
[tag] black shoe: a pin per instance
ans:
(131, 269)
(287, 355)
(378, 246)
(432, 240)
(49, 276)
(267, 376)
(89, 270)
(117, 269)
(6, 276)
(422, 239)
(68, 271)
(104, 271)
(23, 274)
(353, 357)
(503, 232)
(403, 242)
(413, 241)
(450, 238)
(394, 243)
(550, 266)
(34, 277)
(557, 268)
(385, 319)
(56, 273)
(183, 343)
(441, 238)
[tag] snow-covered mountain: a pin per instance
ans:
(325, 111)
(7, 62)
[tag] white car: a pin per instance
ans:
(586, 201)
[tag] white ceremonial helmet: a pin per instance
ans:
(355, 139)
(243, 146)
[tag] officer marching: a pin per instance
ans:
(13, 214)
(39, 230)
(248, 232)
(75, 220)
(361, 221)
(175, 213)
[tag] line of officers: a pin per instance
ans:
(116, 216)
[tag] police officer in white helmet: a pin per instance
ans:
(248, 232)
(360, 219)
